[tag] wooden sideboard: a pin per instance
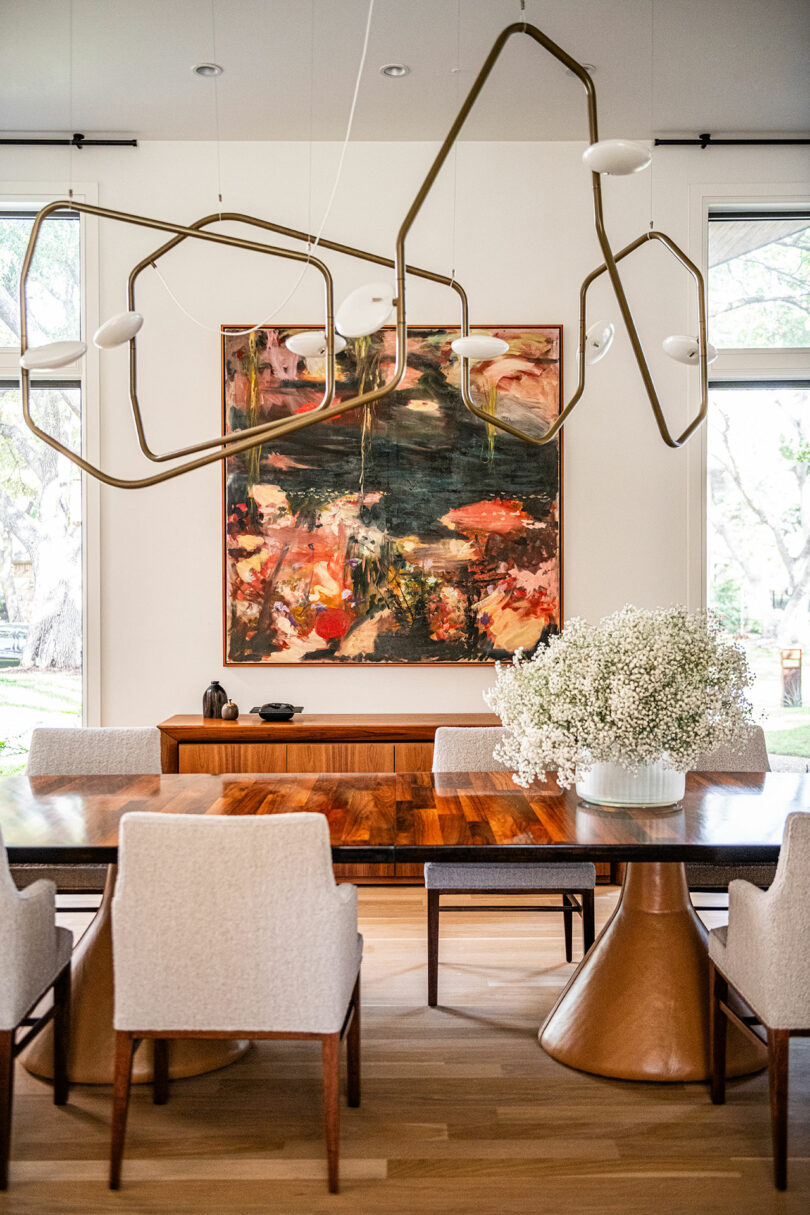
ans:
(316, 742)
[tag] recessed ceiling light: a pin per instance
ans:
(208, 69)
(395, 69)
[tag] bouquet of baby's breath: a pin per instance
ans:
(636, 688)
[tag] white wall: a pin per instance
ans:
(524, 241)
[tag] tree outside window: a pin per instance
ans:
(759, 457)
(40, 498)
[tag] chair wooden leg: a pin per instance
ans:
(61, 1036)
(353, 1050)
(331, 1086)
(160, 1088)
(718, 1025)
(124, 1050)
(433, 946)
(778, 1055)
(588, 919)
(568, 916)
(6, 1099)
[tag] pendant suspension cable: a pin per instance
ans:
(454, 203)
(652, 102)
(70, 99)
(350, 123)
(310, 248)
(217, 136)
(311, 105)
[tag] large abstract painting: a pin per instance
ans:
(403, 532)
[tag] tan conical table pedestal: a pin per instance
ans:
(92, 1038)
(637, 1007)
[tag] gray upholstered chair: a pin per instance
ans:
(459, 749)
(715, 878)
(763, 953)
(233, 927)
(89, 751)
(34, 957)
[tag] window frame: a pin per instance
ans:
(785, 365)
(30, 196)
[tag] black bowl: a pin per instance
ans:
(277, 712)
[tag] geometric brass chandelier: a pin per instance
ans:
(611, 156)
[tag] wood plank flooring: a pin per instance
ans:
(462, 1112)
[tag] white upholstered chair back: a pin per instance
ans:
(231, 923)
(467, 749)
(767, 953)
(32, 949)
(753, 758)
(94, 751)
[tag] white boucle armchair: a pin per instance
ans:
(34, 957)
(763, 953)
(233, 927)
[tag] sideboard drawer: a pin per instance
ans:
(413, 757)
(231, 757)
(340, 757)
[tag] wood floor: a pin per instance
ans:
(462, 1112)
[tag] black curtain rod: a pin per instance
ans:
(706, 140)
(78, 141)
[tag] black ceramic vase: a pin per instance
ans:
(214, 697)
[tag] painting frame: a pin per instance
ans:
(557, 445)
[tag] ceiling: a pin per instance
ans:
(662, 67)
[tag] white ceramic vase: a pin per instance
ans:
(613, 785)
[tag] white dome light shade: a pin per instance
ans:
(685, 349)
(480, 346)
(54, 354)
(598, 341)
(312, 344)
(616, 156)
(365, 310)
(118, 330)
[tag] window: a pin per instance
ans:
(40, 494)
(758, 500)
(759, 281)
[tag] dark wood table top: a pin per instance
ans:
(383, 817)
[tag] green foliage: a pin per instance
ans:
(34, 698)
(54, 286)
(761, 298)
(795, 741)
(725, 603)
(796, 452)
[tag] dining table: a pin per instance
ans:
(637, 1005)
